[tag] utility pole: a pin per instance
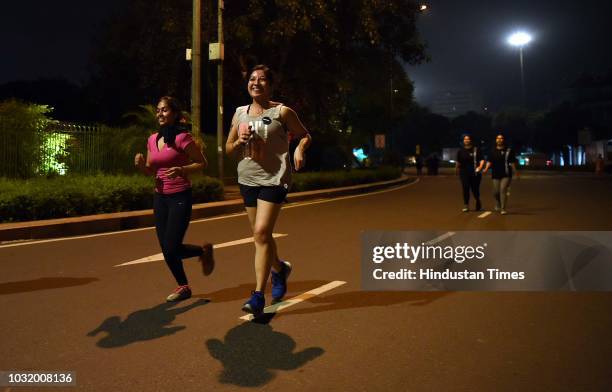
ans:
(220, 89)
(196, 70)
(522, 78)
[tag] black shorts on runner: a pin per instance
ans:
(272, 194)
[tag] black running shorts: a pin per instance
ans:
(272, 194)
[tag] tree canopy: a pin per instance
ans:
(323, 53)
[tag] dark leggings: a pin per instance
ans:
(172, 215)
(470, 182)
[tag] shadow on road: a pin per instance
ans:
(252, 351)
(362, 299)
(146, 324)
(243, 291)
(42, 284)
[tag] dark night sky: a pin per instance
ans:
(466, 42)
(48, 38)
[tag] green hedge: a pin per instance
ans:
(334, 179)
(60, 197)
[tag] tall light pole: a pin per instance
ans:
(220, 89)
(216, 54)
(520, 39)
(196, 68)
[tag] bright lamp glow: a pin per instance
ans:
(519, 39)
(423, 7)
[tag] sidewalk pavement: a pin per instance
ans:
(91, 224)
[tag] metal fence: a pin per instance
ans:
(63, 148)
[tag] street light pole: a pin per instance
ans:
(220, 90)
(522, 75)
(196, 69)
(520, 39)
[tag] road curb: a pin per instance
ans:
(100, 223)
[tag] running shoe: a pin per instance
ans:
(279, 281)
(255, 304)
(207, 259)
(465, 209)
(478, 205)
(181, 293)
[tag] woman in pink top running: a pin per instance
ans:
(172, 155)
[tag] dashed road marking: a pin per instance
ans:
(296, 300)
(160, 256)
(440, 238)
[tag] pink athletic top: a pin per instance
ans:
(167, 157)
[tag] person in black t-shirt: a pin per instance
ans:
(502, 162)
(470, 163)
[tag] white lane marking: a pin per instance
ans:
(298, 204)
(73, 238)
(440, 238)
(306, 203)
(484, 214)
(26, 242)
(160, 256)
(296, 300)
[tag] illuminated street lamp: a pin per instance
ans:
(520, 39)
(423, 7)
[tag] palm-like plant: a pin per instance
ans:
(145, 118)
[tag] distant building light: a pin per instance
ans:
(359, 154)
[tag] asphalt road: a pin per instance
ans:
(67, 306)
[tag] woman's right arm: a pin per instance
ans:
(144, 165)
(235, 142)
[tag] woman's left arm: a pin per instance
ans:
(297, 129)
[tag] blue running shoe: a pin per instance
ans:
(279, 281)
(255, 304)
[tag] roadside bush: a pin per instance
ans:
(60, 197)
(339, 178)
(22, 127)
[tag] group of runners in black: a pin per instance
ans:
(471, 164)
